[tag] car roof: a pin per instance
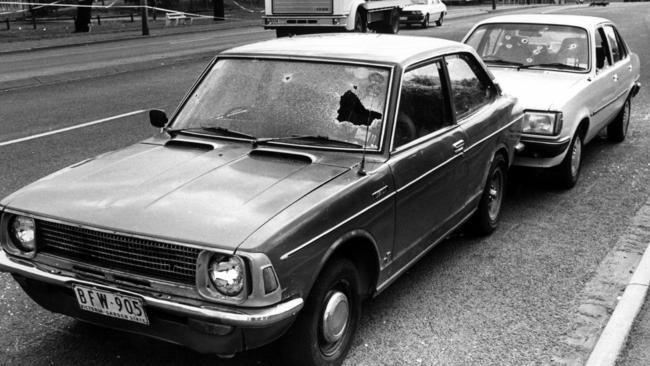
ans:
(555, 19)
(368, 47)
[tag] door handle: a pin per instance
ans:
(458, 146)
(615, 77)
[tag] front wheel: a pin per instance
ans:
(360, 25)
(440, 20)
(425, 22)
(617, 130)
(486, 217)
(569, 170)
(323, 332)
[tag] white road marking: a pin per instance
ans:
(87, 124)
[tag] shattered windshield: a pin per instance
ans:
(264, 99)
(532, 46)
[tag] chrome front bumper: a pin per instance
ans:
(239, 317)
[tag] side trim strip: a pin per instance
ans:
(408, 265)
(293, 251)
(609, 103)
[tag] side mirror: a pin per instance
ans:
(158, 118)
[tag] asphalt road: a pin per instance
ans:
(508, 299)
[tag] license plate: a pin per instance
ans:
(403, 18)
(113, 304)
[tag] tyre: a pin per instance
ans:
(486, 217)
(323, 332)
(425, 22)
(617, 129)
(281, 32)
(569, 169)
(360, 25)
(391, 25)
(440, 20)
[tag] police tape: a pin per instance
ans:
(113, 6)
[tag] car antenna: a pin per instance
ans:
(362, 166)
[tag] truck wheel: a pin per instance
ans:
(439, 21)
(360, 24)
(391, 24)
(486, 217)
(280, 32)
(617, 129)
(569, 170)
(323, 332)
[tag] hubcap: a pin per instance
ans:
(576, 154)
(494, 194)
(335, 317)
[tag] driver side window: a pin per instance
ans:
(423, 105)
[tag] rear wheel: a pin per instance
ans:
(281, 32)
(486, 217)
(569, 170)
(324, 329)
(391, 24)
(440, 20)
(617, 130)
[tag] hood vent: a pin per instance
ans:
(180, 144)
(281, 154)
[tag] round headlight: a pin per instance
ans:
(23, 233)
(227, 274)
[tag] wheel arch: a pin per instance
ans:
(361, 248)
(355, 7)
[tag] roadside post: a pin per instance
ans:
(143, 12)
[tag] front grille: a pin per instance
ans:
(149, 258)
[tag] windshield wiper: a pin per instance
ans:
(502, 62)
(552, 64)
(319, 138)
(214, 129)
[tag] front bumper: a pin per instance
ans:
(411, 18)
(539, 148)
(207, 329)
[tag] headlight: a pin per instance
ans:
(542, 123)
(23, 233)
(227, 274)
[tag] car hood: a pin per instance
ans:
(538, 89)
(215, 197)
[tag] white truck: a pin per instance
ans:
(310, 16)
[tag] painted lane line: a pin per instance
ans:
(54, 132)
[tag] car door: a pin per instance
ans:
(602, 92)
(477, 112)
(622, 66)
(425, 160)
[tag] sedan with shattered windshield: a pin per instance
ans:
(297, 178)
(574, 75)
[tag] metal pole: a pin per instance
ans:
(494, 4)
(145, 23)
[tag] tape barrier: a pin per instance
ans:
(112, 6)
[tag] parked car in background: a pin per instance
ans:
(575, 76)
(298, 177)
(423, 12)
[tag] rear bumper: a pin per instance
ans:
(207, 329)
